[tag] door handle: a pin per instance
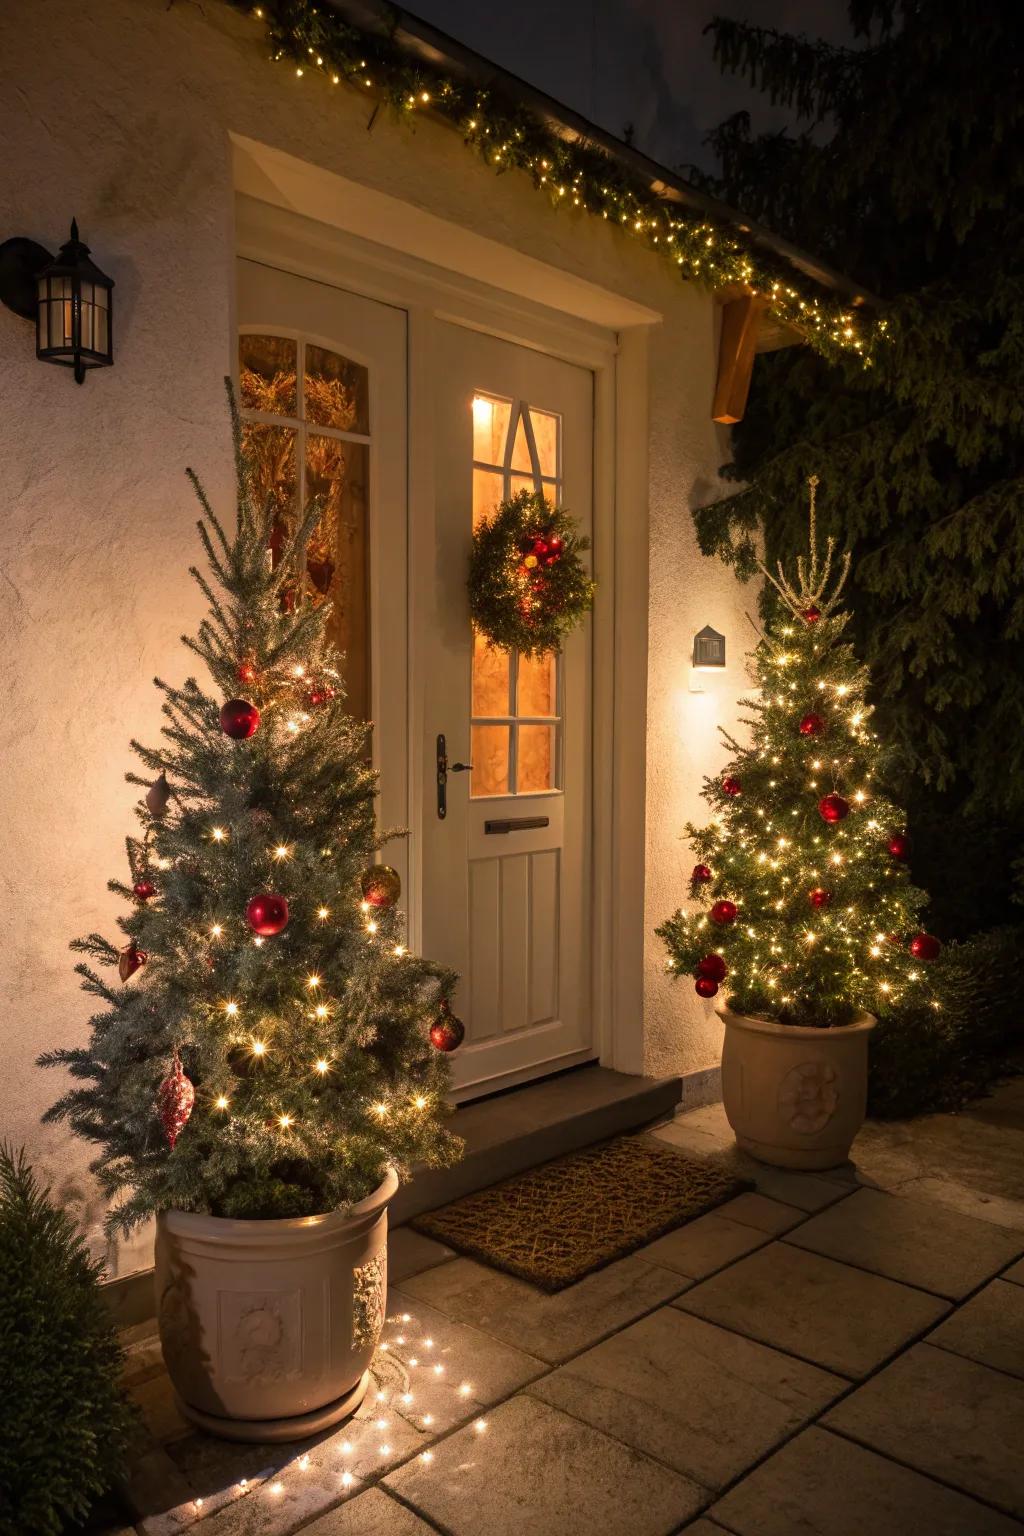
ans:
(443, 770)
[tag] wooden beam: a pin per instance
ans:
(737, 344)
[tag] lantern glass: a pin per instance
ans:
(73, 312)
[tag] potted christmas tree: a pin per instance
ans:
(269, 1060)
(805, 913)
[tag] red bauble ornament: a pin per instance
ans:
(705, 987)
(701, 875)
(812, 614)
(731, 786)
(239, 719)
(899, 845)
(812, 725)
(723, 912)
(925, 946)
(267, 914)
(131, 959)
(447, 1032)
(142, 890)
(246, 672)
(833, 808)
(321, 693)
(381, 886)
(158, 796)
(175, 1098)
(712, 968)
(819, 897)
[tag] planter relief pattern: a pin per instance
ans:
(809, 1096)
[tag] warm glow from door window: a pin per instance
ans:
(516, 728)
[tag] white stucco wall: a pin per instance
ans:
(119, 112)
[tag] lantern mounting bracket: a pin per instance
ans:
(21, 261)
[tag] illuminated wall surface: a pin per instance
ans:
(120, 114)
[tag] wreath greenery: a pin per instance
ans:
(528, 586)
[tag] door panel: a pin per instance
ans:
(508, 904)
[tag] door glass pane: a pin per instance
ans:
(490, 760)
(337, 392)
(490, 428)
(490, 678)
(487, 493)
(535, 756)
(535, 688)
(521, 483)
(337, 557)
(271, 455)
(545, 431)
(266, 374)
(521, 450)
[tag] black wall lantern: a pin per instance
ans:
(69, 298)
(708, 649)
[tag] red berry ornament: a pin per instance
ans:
(701, 875)
(819, 897)
(175, 1098)
(812, 725)
(239, 719)
(705, 987)
(925, 946)
(381, 886)
(267, 915)
(723, 912)
(447, 1032)
(899, 845)
(833, 808)
(712, 968)
(812, 614)
(131, 959)
(246, 672)
(731, 786)
(142, 890)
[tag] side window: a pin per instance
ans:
(516, 720)
(306, 426)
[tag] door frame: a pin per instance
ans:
(279, 236)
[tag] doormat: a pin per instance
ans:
(554, 1224)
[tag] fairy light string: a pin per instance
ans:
(570, 171)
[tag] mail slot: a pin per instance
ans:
(516, 824)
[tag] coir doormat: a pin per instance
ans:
(554, 1224)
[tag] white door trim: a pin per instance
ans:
(283, 238)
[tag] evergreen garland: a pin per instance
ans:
(906, 169)
(528, 587)
(571, 172)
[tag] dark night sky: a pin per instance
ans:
(639, 61)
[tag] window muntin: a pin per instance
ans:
(306, 428)
(516, 724)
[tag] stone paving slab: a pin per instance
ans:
(706, 1402)
(550, 1327)
(807, 1191)
(703, 1246)
(1015, 1273)
(756, 1210)
(536, 1472)
(831, 1314)
(989, 1328)
(409, 1253)
(822, 1484)
(919, 1244)
(371, 1514)
(949, 1417)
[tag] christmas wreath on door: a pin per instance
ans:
(528, 586)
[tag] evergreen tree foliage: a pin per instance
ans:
(308, 1049)
(905, 169)
(65, 1425)
(806, 911)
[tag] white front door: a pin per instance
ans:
(322, 387)
(506, 868)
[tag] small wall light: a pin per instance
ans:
(708, 656)
(68, 297)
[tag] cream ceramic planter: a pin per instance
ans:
(795, 1097)
(268, 1327)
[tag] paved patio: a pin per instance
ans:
(837, 1354)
